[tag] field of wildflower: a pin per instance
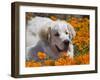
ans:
(81, 46)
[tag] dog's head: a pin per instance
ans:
(61, 35)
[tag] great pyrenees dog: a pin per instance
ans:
(48, 36)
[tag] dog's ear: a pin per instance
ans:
(45, 34)
(71, 31)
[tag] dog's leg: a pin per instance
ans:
(71, 51)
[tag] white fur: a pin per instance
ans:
(37, 23)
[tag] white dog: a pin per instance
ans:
(51, 37)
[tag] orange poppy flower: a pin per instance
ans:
(41, 55)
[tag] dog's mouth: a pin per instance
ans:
(58, 49)
(62, 50)
(66, 45)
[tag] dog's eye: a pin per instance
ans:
(66, 32)
(57, 34)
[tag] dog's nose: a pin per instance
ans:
(66, 42)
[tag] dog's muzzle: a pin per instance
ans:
(66, 45)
